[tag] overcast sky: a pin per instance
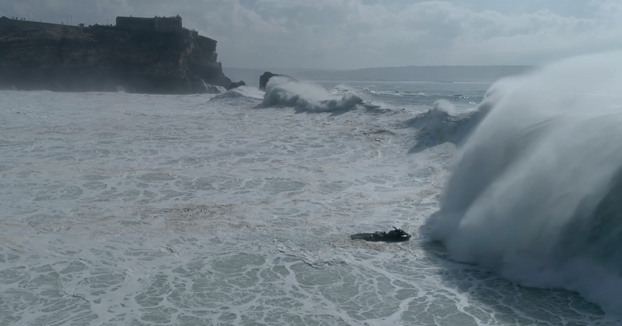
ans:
(346, 34)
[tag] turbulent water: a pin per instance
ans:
(236, 208)
(536, 191)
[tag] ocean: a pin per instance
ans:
(237, 208)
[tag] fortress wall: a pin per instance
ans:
(26, 24)
(168, 23)
(159, 24)
(136, 23)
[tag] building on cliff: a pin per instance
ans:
(145, 55)
(158, 24)
(165, 24)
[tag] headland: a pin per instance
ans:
(143, 55)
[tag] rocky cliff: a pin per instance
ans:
(106, 58)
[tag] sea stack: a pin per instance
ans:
(265, 78)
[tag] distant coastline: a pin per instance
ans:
(437, 74)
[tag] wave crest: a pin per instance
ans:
(213, 89)
(535, 190)
(244, 93)
(306, 96)
(443, 124)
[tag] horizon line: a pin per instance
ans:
(380, 67)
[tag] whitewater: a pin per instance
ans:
(236, 208)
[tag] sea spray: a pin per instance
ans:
(283, 91)
(242, 94)
(534, 193)
(443, 123)
(213, 89)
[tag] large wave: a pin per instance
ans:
(213, 89)
(283, 91)
(536, 192)
(443, 123)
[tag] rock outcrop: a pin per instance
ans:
(157, 58)
(237, 84)
(263, 79)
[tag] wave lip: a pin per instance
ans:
(381, 93)
(243, 93)
(535, 191)
(213, 89)
(443, 124)
(306, 96)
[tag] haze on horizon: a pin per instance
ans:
(351, 34)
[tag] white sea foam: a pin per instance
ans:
(128, 208)
(305, 96)
(382, 93)
(529, 194)
(443, 123)
(239, 95)
(340, 89)
(213, 89)
(122, 209)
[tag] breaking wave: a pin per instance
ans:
(536, 191)
(213, 89)
(443, 123)
(304, 96)
(242, 93)
(381, 93)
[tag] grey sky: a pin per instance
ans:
(345, 34)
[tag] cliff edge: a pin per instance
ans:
(144, 55)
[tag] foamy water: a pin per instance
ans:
(122, 209)
(535, 192)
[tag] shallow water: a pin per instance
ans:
(125, 209)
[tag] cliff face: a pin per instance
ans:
(106, 58)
